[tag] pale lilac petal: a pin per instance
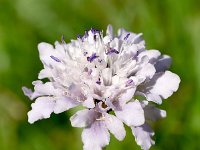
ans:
(107, 76)
(131, 114)
(147, 71)
(126, 96)
(154, 98)
(45, 73)
(115, 126)
(45, 89)
(164, 84)
(89, 102)
(64, 104)
(96, 136)
(163, 63)
(109, 31)
(151, 112)
(41, 109)
(149, 96)
(83, 118)
(27, 92)
(130, 37)
(161, 86)
(45, 51)
(143, 135)
(153, 55)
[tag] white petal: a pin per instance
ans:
(89, 102)
(107, 76)
(96, 137)
(133, 38)
(153, 55)
(45, 73)
(126, 96)
(131, 114)
(45, 89)
(154, 98)
(143, 136)
(109, 31)
(83, 118)
(164, 84)
(147, 71)
(42, 108)
(63, 104)
(45, 51)
(150, 97)
(115, 126)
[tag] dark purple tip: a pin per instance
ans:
(99, 60)
(92, 57)
(129, 82)
(55, 58)
(94, 31)
(98, 82)
(127, 35)
(111, 51)
(85, 53)
(79, 36)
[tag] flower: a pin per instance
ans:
(107, 75)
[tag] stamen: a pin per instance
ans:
(79, 37)
(95, 31)
(63, 39)
(98, 82)
(111, 51)
(129, 82)
(55, 58)
(126, 37)
(92, 57)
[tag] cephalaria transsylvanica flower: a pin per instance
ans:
(114, 78)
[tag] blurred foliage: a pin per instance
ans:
(172, 26)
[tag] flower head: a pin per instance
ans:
(104, 74)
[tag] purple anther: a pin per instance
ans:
(79, 36)
(85, 53)
(100, 60)
(94, 31)
(55, 58)
(98, 82)
(127, 35)
(111, 51)
(129, 82)
(92, 57)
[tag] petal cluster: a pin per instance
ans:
(116, 80)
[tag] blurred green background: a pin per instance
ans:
(172, 26)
